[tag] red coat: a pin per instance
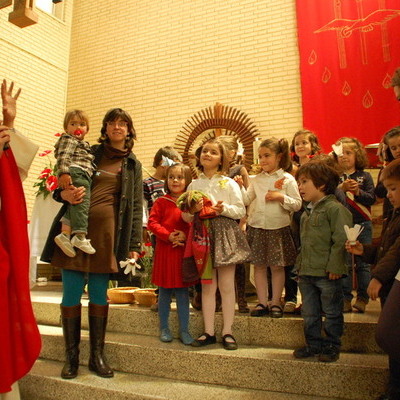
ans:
(19, 335)
(164, 218)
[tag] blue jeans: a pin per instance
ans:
(363, 270)
(321, 295)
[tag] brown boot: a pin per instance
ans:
(71, 324)
(97, 330)
(240, 280)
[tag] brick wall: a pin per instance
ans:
(165, 60)
(36, 59)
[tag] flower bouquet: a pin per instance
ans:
(47, 180)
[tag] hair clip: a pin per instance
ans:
(338, 149)
(167, 162)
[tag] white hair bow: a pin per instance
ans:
(167, 162)
(338, 150)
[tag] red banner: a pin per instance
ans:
(349, 50)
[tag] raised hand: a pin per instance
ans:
(9, 103)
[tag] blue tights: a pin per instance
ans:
(74, 283)
(182, 302)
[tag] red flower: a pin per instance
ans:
(148, 244)
(51, 183)
(58, 134)
(45, 173)
(279, 183)
(44, 153)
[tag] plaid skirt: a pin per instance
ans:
(228, 243)
(271, 247)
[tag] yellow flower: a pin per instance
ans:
(222, 183)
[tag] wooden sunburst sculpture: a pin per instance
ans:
(212, 122)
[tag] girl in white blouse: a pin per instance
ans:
(228, 244)
(272, 197)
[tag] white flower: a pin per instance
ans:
(353, 233)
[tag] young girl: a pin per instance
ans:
(170, 229)
(304, 146)
(235, 169)
(272, 196)
(391, 151)
(358, 187)
(228, 244)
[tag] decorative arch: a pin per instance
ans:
(213, 122)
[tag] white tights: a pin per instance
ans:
(225, 281)
(278, 282)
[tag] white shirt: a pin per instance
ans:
(271, 214)
(221, 188)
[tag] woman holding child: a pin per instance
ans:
(115, 229)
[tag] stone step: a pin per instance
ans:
(44, 383)
(249, 367)
(287, 332)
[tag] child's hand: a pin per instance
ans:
(64, 181)
(334, 277)
(239, 180)
(219, 207)
(373, 289)
(177, 238)
(274, 195)
(350, 185)
(357, 249)
(197, 207)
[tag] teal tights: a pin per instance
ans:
(74, 283)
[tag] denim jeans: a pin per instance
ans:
(363, 270)
(321, 295)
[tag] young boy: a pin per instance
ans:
(322, 260)
(75, 167)
(386, 277)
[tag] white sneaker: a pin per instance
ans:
(83, 244)
(65, 245)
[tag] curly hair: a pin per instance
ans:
(311, 137)
(113, 115)
(359, 150)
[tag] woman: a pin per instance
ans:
(115, 229)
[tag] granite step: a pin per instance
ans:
(44, 383)
(250, 367)
(287, 333)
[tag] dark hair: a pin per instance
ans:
(279, 146)
(113, 115)
(396, 78)
(186, 173)
(359, 150)
(322, 175)
(391, 171)
(313, 139)
(224, 165)
(387, 154)
(166, 151)
(78, 114)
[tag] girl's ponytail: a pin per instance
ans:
(285, 162)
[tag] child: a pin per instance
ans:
(272, 197)
(359, 189)
(171, 230)
(385, 256)
(322, 261)
(75, 167)
(391, 151)
(228, 244)
(235, 169)
(304, 146)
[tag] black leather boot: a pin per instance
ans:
(71, 323)
(97, 329)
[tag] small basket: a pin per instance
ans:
(145, 297)
(121, 295)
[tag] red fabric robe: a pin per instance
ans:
(19, 335)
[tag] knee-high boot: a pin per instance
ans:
(97, 330)
(71, 324)
(240, 279)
